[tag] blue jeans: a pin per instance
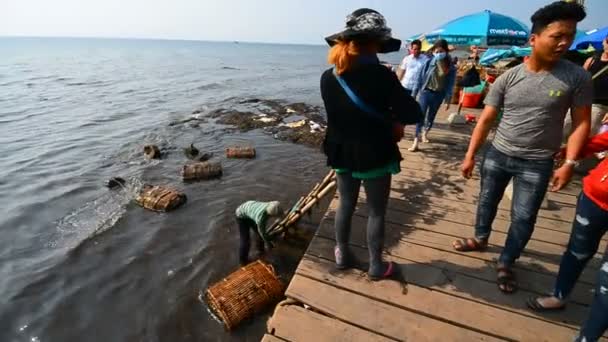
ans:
(530, 182)
(430, 101)
(589, 226)
(597, 321)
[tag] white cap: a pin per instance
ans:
(274, 208)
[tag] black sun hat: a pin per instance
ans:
(367, 24)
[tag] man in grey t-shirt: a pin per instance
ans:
(534, 98)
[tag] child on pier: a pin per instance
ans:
(253, 215)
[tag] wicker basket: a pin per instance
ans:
(201, 171)
(240, 152)
(159, 198)
(244, 293)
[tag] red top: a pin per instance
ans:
(595, 184)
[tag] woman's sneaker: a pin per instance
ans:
(342, 258)
(414, 147)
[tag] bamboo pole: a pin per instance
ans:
(304, 200)
(317, 197)
(277, 229)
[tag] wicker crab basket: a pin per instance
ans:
(244, 293)
(160, 198)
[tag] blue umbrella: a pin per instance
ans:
(484, 28)
(593, 37)
(494, 55)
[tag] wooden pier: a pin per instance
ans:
(445, 295)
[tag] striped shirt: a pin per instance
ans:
(255, 211)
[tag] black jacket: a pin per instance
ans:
(355, 140)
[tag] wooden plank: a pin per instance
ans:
(429, 209)
(529, 281)
(294, 323)
(376, 316)
(472, 188)
(562, 215)
(270, 338)
(466, 222)
(547, 265)
(540, 250)
(457, 279)
(573, 189)
(423, 218)
(417, 190)
(464, 313)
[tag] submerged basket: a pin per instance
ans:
(159, 198)
(244, 293)
(240, 152)
(201, 170)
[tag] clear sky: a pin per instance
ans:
(281, 21)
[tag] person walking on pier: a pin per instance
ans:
(589, 227)
(535, 98)
(434, 86)
(410, 68)
(366, 110)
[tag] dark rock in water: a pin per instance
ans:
(197, 111)
(295, 122)
(191, 152)
(250, 101)
(115, 182)
(301, 135)
(183, 121)
(151, 152)
(205, 157)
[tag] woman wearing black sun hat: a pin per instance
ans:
(366, 110)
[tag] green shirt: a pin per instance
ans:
(437, 80)
(391, 168)
(255, 211)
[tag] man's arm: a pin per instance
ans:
(480, 134)
(581, 124)
(400, 73)
(588, 63)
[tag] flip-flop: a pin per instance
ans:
(506, 280)
(469, 245)
(535, 305)
(390, 269)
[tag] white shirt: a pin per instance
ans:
(413, 67)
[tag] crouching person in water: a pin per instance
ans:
(253, 215)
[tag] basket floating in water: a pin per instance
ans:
(159, 198)
(201, 170)
(244, 293)
(240, 152)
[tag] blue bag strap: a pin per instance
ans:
(356, 100)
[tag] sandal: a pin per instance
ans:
(535, 305)
(470, 245)
(390, 270)
(506, 282)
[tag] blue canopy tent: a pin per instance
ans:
(485, 28)
(593, 38)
